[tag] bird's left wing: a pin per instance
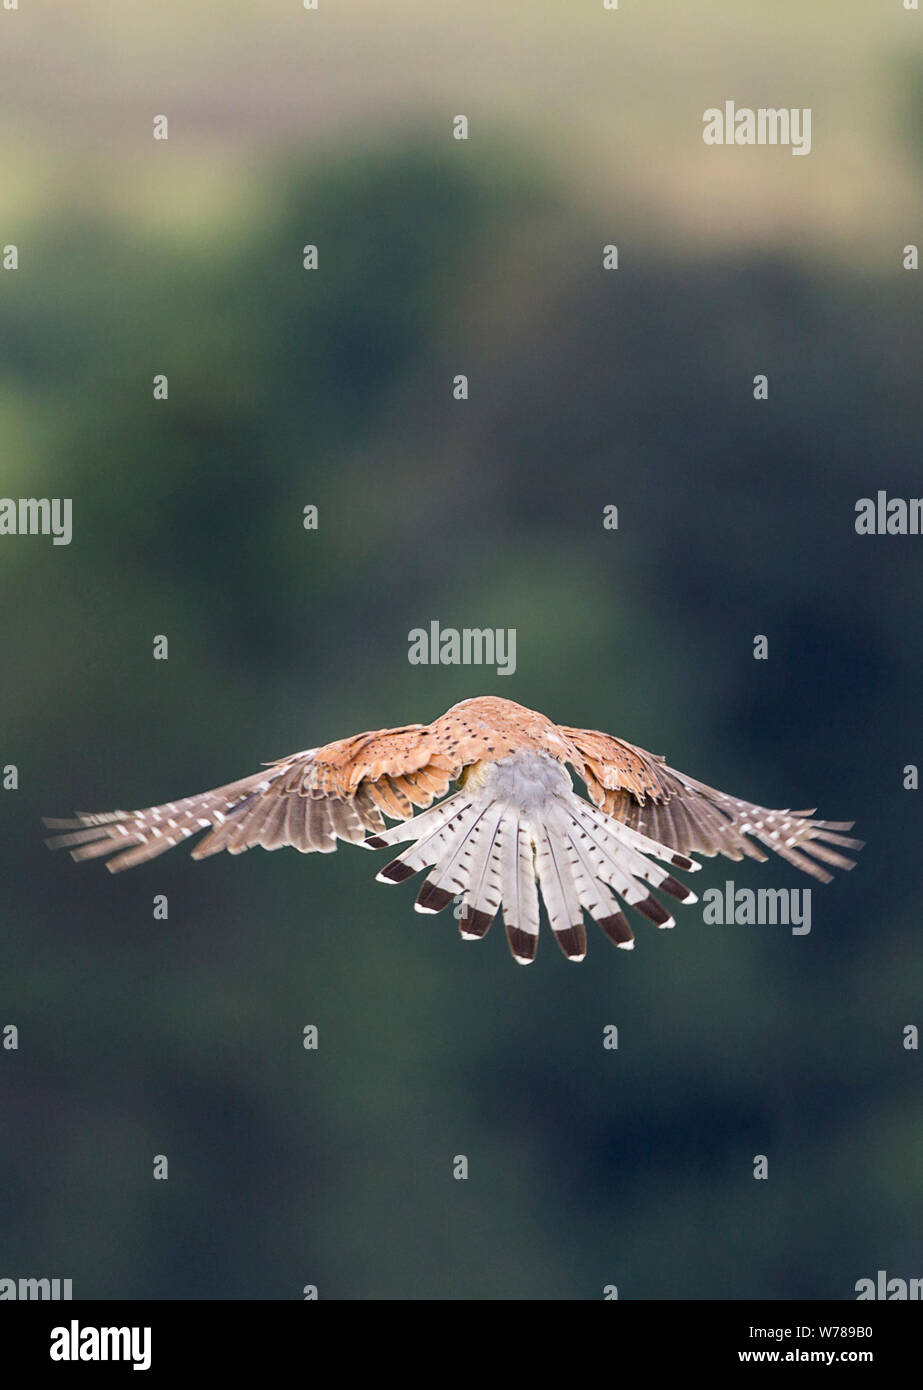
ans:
(308, 800)
(638, 789)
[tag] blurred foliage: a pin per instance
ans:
(183, 1037)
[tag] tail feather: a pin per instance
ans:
(559, 890)
(432, 835)
(625, 837)
(484, 874)
(593, 894)
(464, 865)
(621, 866)
(427, 823)
(520, 891)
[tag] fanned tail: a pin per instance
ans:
(494, 844)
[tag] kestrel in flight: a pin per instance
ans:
(515, 824)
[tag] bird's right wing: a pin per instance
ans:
(309, 801)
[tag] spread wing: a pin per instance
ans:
(309, 800)
(639, 789)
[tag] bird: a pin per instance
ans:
(514, 829)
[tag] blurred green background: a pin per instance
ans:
(139, 1037)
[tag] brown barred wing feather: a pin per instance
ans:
(340, 791)
(640, 790)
